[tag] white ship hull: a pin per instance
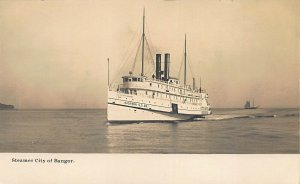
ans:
(119, 113)
(124, 107)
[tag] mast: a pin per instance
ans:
(143, 39)
(184, 59)
(107, 71)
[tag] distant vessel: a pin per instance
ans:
(6, 107)
(249, 106)
(156, 98)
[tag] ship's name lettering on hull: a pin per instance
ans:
(136, 104)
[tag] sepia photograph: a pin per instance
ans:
(165, 77)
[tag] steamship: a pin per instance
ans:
(159, 97)
(248, 105)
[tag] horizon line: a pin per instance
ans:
(104, 108)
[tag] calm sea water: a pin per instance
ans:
(86, 131)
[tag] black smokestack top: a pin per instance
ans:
(158, 66)
(167, 67)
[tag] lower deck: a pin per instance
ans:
(154, 107)
(119, 113)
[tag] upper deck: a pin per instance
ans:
(172, 86)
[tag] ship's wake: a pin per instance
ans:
(238, 114)
(219, 117)
(225, 114)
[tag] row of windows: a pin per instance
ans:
(129, 91)
(133, 79)
(137, 79)
(174, 89)
(170, 88)
(158, 94)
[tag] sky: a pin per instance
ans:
(53, 54)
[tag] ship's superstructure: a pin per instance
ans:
(156, 98)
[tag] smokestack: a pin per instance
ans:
(158, 66)
(194, 86)
(167, 67)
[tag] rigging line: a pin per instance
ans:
(131, 53)
(190, 65)
(135, 58)
(127, 54)
(130, 45)
(137, 45)
(148, 35)
(149, 43)
(150, 52)
(150, 60)
(182, 61)
(180, 69)
(123, 64)
(149, 57)
(121, 70)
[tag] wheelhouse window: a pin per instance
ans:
(125, 79)
(129, 79)
(134, 79)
